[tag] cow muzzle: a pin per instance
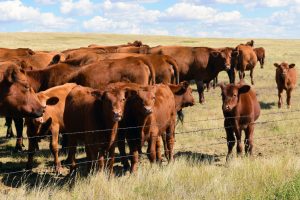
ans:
(117, 116)
(226, 108)
(148, 110)
(227, 67)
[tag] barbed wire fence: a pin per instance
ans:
(197, 131)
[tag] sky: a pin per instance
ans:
(196, 18)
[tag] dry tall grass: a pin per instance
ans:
(199, 171)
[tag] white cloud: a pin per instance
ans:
(15, 11)
(46, 2)
(188, 11)
(80, 7)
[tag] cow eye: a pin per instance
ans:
(123, 99)
(234, 95)
(153, 98)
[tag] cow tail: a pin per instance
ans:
(174, 65)
(152, 72)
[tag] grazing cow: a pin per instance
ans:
(260, 54)
(166, 69)
(196, 63)
(51, 123)
(286, 79)
(130, 69)
(243, 59)
(94, 115)
(240, 109)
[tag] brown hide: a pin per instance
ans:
(286, 79)
(240, 109)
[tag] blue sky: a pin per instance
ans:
(197, 18)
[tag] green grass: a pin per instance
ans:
(200, 170)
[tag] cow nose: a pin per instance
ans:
(227, 67)
(117, 116)
(148, 109)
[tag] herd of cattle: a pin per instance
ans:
(102, 96)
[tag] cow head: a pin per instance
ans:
(250, 43)
(144, 99)
(17, 98)
(113, 102)
(230, 95)
(221, 59)
(283, 69)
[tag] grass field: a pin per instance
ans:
(200, 171)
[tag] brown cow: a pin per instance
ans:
(50, 123)
(168, 100)
(166, 69)
(243, 59)
(240, 109)
(196, 63)
(8, 53)
(260, 54)
(17, 98)
(286, 79)
(94, 115)
(130, 69)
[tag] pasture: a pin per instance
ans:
(199, 170)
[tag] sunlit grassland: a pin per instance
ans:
(200, 171)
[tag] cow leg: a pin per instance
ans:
(91, 154)
(166, 150)
(200, 88)
(241, 75)
(151, 150)
(230, 141)
(9, 131)
(207, 86)
(280, 97)
(19, 127)
(249, 139)
(251, 75)
(170, 136)
(158, 150)
(64, 143)
(122, 150)
(288, 98)
(215, 82)
(72, 143)
(32, 144)
(239, 148)
(54, 146)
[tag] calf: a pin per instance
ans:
(240, 109)
(286, 79)
(137, 109)
(50, 123)
(93, 115)
(260, 53)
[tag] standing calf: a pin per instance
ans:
(240, 109)
(286, 78)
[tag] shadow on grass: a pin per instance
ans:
(197, 157)
(266, 105)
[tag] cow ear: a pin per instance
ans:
(11, 74)
(55, 59)
(292, 65)
(185, 84)
(235, 53)
(244, 89)
(52, 101)
(276, 65)
(215, 53)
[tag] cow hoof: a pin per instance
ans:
(18, 148)
(29, 167)
(289, 106)
(9, 133)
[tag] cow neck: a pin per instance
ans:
(36, 79)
